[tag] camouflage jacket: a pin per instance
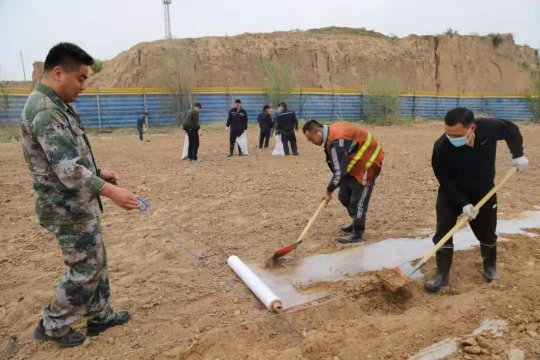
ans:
(61, 163)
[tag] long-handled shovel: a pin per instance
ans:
(407, 270)
(287, 249)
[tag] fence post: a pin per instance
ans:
(228, 99)
(362, 114)
(437, 104)
(144, 100)
(301, 104)
(413, 111)
(333, 102)
(98, 109)
(482, 103)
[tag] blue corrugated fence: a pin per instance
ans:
(116, 110)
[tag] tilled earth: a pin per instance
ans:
(189, 308)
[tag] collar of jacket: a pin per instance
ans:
(325, 129)
(52, 95)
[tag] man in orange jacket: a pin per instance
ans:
(355, 159)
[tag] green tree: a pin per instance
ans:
(532, 98)
(178, 76)
(97, 66)
(278, 81)
(451, 32)
(383, 100)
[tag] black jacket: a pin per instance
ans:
(238, 119)
(467, 173)
(286, 120)
(191, 121)
(337, 159)
(265, 120)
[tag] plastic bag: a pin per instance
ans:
(278, 149)
(242, 142)
(186, 146)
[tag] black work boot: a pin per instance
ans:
(72, 338)
(231, 150)
(347, 228)
(351, 238)
(95, 328)
(489, 256)
(444, 263)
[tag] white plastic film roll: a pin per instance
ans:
(252, 281)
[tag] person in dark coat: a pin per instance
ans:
(237, 123)
(463, 161)
(265, 125)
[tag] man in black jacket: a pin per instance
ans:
(142, 123)
(237, 123)
(464, 163)
(286, 124)
(192, 128)
(265, 125)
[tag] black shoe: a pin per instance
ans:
(72, 338)
(489, 256)
(94, 329)
(347, 228)
(352, 238)
(296, 154)
(444, 261)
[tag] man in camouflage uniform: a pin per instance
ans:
(68, 185)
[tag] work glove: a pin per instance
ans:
(227, 128)
(520, 163)
(470, 211)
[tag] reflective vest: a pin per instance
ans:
(365, 159)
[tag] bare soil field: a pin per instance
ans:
(185, 308)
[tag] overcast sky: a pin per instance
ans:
(106, 27)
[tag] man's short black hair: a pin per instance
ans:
(145, 113)
(266, 107)
(311, 125)
(283, 105)
(197, 105)
(459, 115)
(237, 101)
(67, 55)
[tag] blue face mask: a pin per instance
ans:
(459, 141)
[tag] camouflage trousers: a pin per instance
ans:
(83, 290)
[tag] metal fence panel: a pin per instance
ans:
(118, 110)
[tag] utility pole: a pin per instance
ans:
(166, 4)
(22, 63)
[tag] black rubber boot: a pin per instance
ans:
(72, 338)
(351, 238)
(347, 228)
(489, 256)
(444, 262)
(94, 328)
(231, 150)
